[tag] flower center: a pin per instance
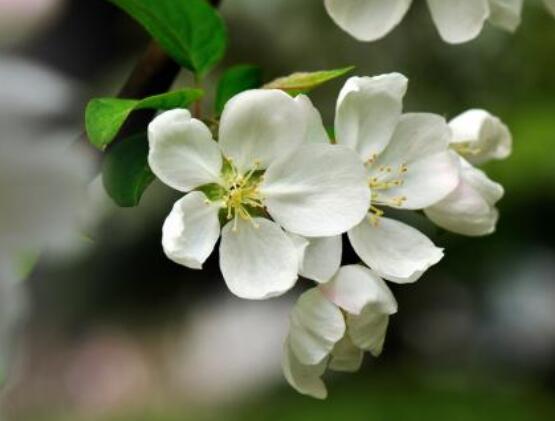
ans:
(242, 197)
(466, 149)
(384, 179)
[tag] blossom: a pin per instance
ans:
(457, 21)
(271, 170)
(470, 209)
(333, 324)
(409, 167)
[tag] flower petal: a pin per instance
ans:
(346, 357)
(368, 109)
(301, 244)
(315, 130)
(420, 145)
(305, 379)
(258, 260)
(356, 287)
(367, 20)
(394, 250)
(506, 14)
(183, 154)
(259, 125)
(459, 21)
(316, 325)
(191, 230)
(322, 258)
(480, 136)
(368, 330)
(470, 208)
(318, 191)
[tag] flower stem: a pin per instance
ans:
(153, 74)
(197, 106)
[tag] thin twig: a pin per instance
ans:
(154, 73)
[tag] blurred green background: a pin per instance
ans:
(120, 333)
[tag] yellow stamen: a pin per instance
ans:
(242, 195)
(465, 148)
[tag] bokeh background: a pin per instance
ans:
(117, 332)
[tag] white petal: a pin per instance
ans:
(420, 143)
(368, 330)
(459, 21)
(322, 258)
(491, 191)
(470, 209)
(258, 126)
(550, 4)
(506, 14)
(305, 379)
(257, 261)
(367, 20)
(191, 230)
(345, 356)
(368, 109)
(318, 191)
(316, 325)
(396, 251)
(356, 287)
(315, 130)
(301, 244)
(481, 135)
(182, 152)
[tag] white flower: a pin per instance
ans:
(480, 137)
(408, 165)
(470, 209)
(270, 162)
(457, 21)
(332, 325)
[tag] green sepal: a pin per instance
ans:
(304, 82)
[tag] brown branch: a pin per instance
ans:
(153, 74)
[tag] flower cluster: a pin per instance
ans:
(281, 195)
(456, 21)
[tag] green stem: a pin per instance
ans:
(197, 106)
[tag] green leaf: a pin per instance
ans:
(301, 83)
(236, 80)
(104, 117)
(125, 172)
(191, 31)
